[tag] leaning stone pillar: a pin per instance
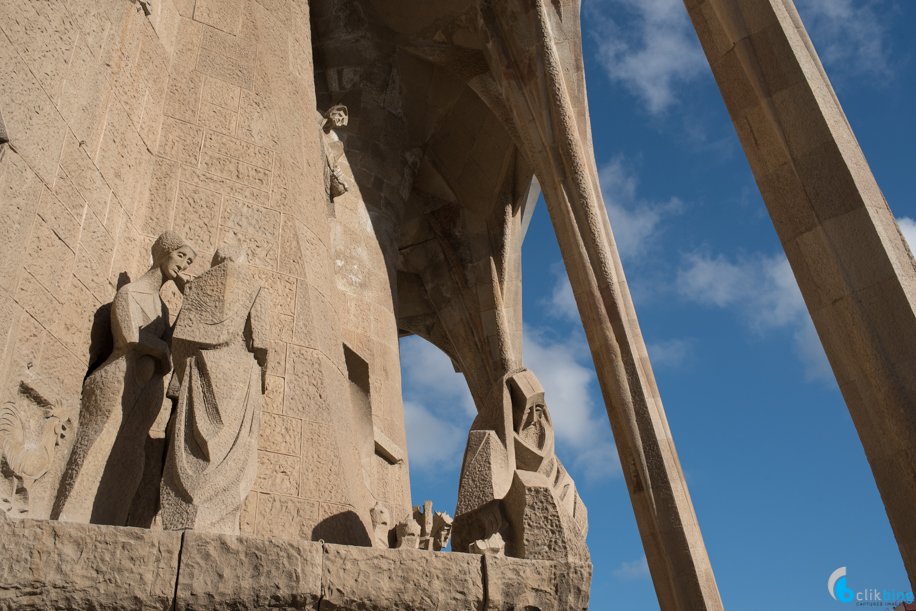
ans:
(534, 52)
(853, 267)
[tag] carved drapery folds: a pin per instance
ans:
(220, 347)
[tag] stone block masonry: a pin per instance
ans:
(54, 565)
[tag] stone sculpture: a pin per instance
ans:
(442, 530)
(335, 118)
(381, 525)
(408, 533)
(435, 528)
(514, 493)
(24, 460)
(220, 347)
(122, 398)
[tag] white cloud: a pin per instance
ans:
(438, 407)
(562, 303)
(653, 53)
(669, 353)
(847, 34)
(764, 290)
(432, 441)
(565, 371)
(908, 228)
(637, 569)
(634, 221)
(649, 46)
(428, 371)
(566, 381)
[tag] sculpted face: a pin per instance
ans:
(443, 535)
(177, 261)
(338, 118)
(533, 426)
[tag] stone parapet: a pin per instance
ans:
(58, 565)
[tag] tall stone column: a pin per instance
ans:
(854, 269)
(534, 51)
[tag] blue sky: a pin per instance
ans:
(778, 477)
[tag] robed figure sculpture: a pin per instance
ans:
(219, 347)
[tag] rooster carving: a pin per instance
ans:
(23, 461)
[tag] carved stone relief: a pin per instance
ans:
(32, 426)
(408, 533)
(381, 525)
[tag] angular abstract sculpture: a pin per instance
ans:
(442, 530)
(513, 489)
(123, 397)
(408, 534)
(221, 341)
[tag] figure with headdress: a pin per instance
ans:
(220, 345)
(123, 396)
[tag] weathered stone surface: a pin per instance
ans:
(51, 565)
(402, 580)
(54, 565)
(512, 584)
(247, 573)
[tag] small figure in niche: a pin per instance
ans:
(122, 398)
(335, 118)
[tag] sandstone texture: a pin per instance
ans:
(514, 584)
(362, 578)
(54, 565)
(247, 573)
(122, 120)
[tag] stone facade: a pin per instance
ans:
(378, 161)
(197, 118)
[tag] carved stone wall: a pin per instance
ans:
(356, 65)
(200, 118)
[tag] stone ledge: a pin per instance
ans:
(59, 565)
(404, 579)
(241, 572)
